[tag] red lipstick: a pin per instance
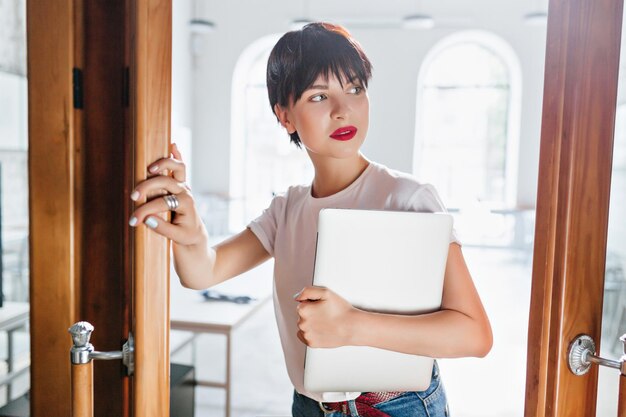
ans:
(344, 133)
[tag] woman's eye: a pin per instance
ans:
(356, 89)
(318, 97)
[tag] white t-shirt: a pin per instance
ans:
(288, 228)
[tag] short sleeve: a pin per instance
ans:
(266, 225)
(427, 200)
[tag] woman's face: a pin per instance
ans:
(331, 120)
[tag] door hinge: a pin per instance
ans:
(77, 85)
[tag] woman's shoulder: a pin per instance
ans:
(298, 191)
(291, 195)
(397, 181)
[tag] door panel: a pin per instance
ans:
(53, 208)
(90, 143)
(101, 176)
(151, 27)
(573, 199)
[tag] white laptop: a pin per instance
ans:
(384, 261)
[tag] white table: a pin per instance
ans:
(13, 315)
(190, 312)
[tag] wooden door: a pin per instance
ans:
(99, 75)
(581, 79)
(151, 63)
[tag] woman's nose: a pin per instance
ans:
(340, 109)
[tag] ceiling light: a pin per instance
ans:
(298, 24)
(536, 18)
(201, 26)
(418, 21)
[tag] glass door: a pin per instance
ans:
(14, 219)
(614, 307)
(572, 254)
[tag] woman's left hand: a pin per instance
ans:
(325, 318)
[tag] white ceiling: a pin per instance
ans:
(400, 8)
(446, 13)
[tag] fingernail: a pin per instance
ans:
(153, 168)
(134, 195)
(296, 295)
(132, 221)
(151, 222)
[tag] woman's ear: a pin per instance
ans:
(283, 117)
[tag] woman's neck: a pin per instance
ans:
(334, 175)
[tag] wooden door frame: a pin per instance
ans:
(54, 212)
(580, 92)
(151, 82)
(84, 258)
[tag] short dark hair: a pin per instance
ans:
(300, 56)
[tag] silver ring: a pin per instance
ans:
(172, 202)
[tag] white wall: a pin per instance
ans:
(13, 37)
(182, 91)
(182, 80)
(396, 55)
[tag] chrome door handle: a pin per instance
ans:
(582, 353)
(83, 352)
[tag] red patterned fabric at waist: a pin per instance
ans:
(364, 404)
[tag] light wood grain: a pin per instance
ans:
(82, 390)
(580, 90)
(51, 171)
(152, 25)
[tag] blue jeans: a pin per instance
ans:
(431, 402)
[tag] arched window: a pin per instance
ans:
(263, 160)
(468, 106)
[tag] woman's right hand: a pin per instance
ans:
(186, 227)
